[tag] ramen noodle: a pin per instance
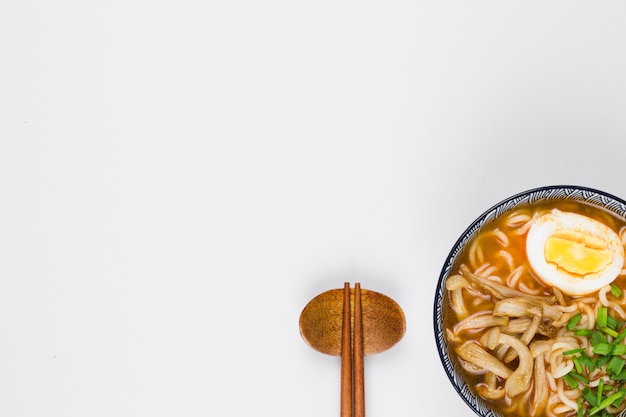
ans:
(536, 312)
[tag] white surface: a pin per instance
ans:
(178, 179)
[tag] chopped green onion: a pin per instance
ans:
(615, 365)
(597, 337)
(573, 321)
(579, 377)
(620, 337)
(590, 396)
(620, 377)
(607, 354)
(586, 360)
(603, 349)
(577, 365)
(579, 403)
(602, 360)
(616, 291)
(573, 351)
(599, 393)
(606, 402)
(609, 331)
(573, 384)
(618, 350)
(603, 314)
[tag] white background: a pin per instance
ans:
(179, 178)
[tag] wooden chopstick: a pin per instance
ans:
(346, 356)
(352, 356)
(359, 380)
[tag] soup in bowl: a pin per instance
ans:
(530, 308)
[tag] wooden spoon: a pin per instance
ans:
(352, 323)
(384, 323)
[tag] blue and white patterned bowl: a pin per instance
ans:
(556, 192)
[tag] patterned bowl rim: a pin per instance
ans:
(550, 192)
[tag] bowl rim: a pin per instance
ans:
(586, 194)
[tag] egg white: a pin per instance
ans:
(557, 221)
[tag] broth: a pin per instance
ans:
(498, 254)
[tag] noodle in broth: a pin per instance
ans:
(509, 331)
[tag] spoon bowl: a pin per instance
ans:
(384, 323)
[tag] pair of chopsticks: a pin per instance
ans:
(352, 396)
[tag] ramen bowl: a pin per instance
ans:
(515, 311)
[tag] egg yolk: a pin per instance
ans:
(577, 253)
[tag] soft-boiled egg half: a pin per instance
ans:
(574, 253)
